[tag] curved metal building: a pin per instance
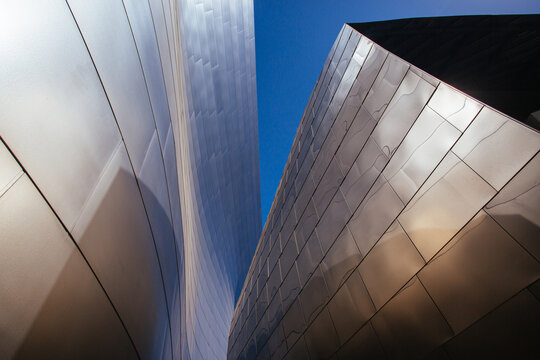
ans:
(129, 176)
(407, 222)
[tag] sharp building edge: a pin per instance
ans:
(129, 176)
(406, 224)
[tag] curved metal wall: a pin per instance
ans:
(126, 216)
(405, 225)
(220, 164)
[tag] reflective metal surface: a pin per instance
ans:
(416, 223)
(126, 230)
(405, 225)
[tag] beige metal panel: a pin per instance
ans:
(476, 271)
(351, 307)
(458, 109)
(481, 147)
(55, 116)
(390, 265)
(314, 296)
(374, 215)
(385, 85)
(410, 325)
(11, 171)
(321, 337)
(405, 106)
(422, 149)
(447, 200)
(52, 304)
(516, 338)
(114, 235)
(517, 207)
(106, 32)
(363, 173)
(142, 26)
(364, 345)
(309, 258)
(340, 261)
(293, 323)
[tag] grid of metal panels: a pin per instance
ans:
(405, 225)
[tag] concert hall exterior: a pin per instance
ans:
(407, 220)
(406, 223)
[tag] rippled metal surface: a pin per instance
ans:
(129, 177)
(416, 228)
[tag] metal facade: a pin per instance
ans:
(406, 224)
(129, 176)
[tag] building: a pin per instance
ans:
(406, 223)
(125, 230)
(407, 219)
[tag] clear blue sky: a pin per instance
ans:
(294, 37)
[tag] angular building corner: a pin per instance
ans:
(406, 223)
(129, 176)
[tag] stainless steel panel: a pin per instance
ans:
(364, 345)
(298, 351)
(48, 290)
(410, 326)
(309, 258)
(321, 337)
(330, 182)
(261, 334)
(374, 215)
(275, 252)
(351, 307)
(326, 155)
(458, 109)
(274, 313)
(386, 83)
(447, 200)
(422, 149)
(314, 296)
(287, 231)
(362, 126)
(390, 265)
(11, 171)
(117, 62)
(302, 201)
(142, 26)
(262, 303)
(363, 173)
(517, 207)
(332, 221)
(274, 281)
(114, 220)
(293, 324)
(83, 128)
(514, 326)
(251, 348)
(153, 185)
(424, 75)
(277, 343)
(405, 106)
(480, 147)
(288, 256)
(359, 89)
(340, 261)
(290, 288)
(264, 353)
(476, 271)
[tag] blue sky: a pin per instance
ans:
(292, 41)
